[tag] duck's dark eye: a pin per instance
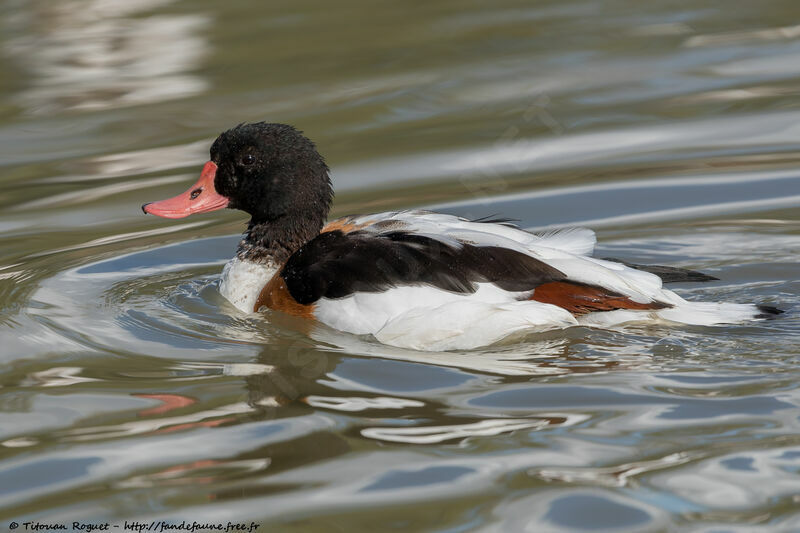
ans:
(248, 159)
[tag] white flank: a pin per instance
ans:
(427, 318)
(466, 325)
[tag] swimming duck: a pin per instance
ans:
(414, 279)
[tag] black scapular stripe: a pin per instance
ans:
(334, 265)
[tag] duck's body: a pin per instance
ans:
(414, 279)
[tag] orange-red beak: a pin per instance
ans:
(200, 198)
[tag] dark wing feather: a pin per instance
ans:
(668, 274)
(336, 264)
(494, 219)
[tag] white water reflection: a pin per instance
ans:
(613, 476)
(102, 460)
(483, 428)
(96, 54)
(515, 359)
(737, 480)
(207, 418)
(781, 33)
(677, 140)
(567, 510)
(199, 472)
(354, 403)
(59, 376)
(645, 200)
(125, 164)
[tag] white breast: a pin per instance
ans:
(242, 281)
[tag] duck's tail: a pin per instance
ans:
(768, 312)
(685, 312)
(714, 313)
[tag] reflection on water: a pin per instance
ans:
(96, 54)
(131, 389)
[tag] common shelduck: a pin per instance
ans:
(414, 279)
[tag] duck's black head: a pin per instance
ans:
(270, 171)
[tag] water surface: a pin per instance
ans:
(131, 390)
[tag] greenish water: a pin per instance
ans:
(129, 389)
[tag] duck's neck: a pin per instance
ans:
(272, 242)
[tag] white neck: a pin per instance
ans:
(242, 281)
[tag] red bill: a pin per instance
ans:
(200, 198)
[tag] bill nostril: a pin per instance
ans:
(196, 193)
